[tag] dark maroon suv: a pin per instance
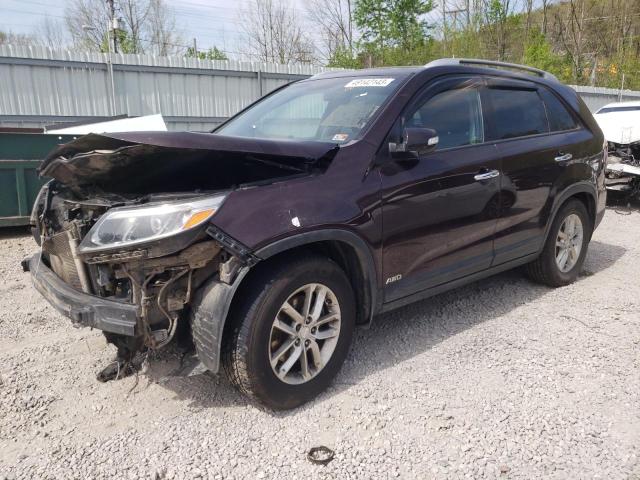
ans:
(325, 203)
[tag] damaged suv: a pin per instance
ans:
(325, 203)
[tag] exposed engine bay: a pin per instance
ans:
(623, 168)
(127, 218)
(620, 124)
(161, 285)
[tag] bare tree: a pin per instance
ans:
(496, 15)
(133, 15)
(87, 22)
(570, 30)
(164, 37)
(333, 19)
(144, 25)
(23, 39)
(274, 33)
(51, 33)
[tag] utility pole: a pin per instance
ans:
(195, 48)
(350, 28)
(113, 24)
(444, 28)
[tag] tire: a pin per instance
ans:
(545, 269)
(254, 341)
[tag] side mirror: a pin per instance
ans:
(415, 143)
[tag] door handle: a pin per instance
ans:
(486, 175)
(563, 157)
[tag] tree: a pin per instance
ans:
(334, 21)
(274, 33)
(164, 37)
(497, 16)
(51, 33)
(392, 24)
(144, 26)
(214, 53)
(10, 38)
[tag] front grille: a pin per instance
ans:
(58, 249)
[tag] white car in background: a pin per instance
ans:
(620, 123)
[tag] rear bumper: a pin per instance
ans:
(83, 309)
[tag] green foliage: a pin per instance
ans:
(538, 53)
(391, 26)
(342, 58)
(556, 39)
(126, 43)
(214, 53)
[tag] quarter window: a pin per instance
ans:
(559, 118)
(516, 113)
(455, 115)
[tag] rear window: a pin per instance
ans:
(516, 113)
(559, 118)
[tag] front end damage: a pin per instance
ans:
(126, 232)
(623, 168)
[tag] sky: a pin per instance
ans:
(211, 22)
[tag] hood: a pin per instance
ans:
(620, 127)
(144, 162)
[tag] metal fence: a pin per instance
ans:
(596, 97)
(40, 86)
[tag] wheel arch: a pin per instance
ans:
(583, 191)
(348, 250)
(215, 301)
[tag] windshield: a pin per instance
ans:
(332, 109)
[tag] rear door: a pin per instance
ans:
(439, 211)
(533, 158)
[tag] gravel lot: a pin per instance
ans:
(500, 379)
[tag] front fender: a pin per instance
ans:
(372, 301)
(211, 305)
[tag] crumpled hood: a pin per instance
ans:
(180, 160)
(620, 127)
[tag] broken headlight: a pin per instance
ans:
(128, 226)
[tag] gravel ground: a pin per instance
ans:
(500, 379)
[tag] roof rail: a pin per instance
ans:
(490, 63)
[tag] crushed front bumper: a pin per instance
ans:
(83, 309)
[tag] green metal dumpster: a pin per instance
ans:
(20, 156)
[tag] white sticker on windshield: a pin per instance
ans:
(340, 137)
(369, 82)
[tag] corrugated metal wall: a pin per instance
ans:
(596, 97)
(40, 86)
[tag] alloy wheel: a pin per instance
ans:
(569, 243)
(304, 333)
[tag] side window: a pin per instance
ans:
(456, 116)
(516, 113)
(559, 118)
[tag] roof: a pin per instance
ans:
(621, 104)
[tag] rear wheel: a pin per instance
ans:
(291, 333)
(565, 249)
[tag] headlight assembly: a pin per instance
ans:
(129, 226)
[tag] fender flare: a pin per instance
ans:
(562, 197)
(212, 302)
(373, 301)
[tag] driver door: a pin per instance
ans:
(440, 210)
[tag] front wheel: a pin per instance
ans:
(291, 333)
(565, 249)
